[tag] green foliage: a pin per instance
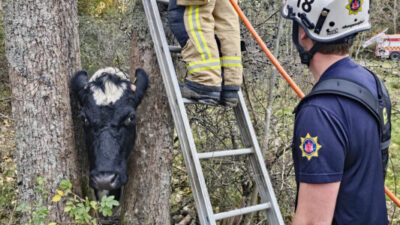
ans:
(38, 211)
(79, 210)
(65, 185)
(82, 210)
(106, 205)
(99, 8)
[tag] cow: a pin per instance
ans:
(109, 101)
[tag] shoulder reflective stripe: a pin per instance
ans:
(203, 65)
(195, 30)
(231, 61)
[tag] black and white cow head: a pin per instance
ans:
(109, 101)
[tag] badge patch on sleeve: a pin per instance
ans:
(309, 146)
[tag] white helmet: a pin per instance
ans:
(329, 20)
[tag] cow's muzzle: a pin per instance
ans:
(105, 181)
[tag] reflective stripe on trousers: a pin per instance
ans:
(197, 34)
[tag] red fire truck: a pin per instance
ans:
(387, 46)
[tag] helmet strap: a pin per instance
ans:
(305, 56)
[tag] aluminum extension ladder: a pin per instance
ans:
(191, 156)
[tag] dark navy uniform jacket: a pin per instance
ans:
(336, 139)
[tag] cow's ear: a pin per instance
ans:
(79, 84)
(141, 84)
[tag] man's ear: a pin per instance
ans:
(140, 86)
(302, 34)
(79, 84)
(306, 42)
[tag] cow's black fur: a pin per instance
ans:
(110, 129)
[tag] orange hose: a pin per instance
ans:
(283, 72)
(392, 196)
(266, 50)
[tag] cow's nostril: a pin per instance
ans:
(114, 179)
(105, 181)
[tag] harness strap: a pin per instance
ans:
(345, 88)
(350, 90)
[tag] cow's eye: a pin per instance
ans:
(129, 120)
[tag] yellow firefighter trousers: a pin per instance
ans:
(201, 54)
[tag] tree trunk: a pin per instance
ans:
(395, 16)
(146, 196)
(42, 48)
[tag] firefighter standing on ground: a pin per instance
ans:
(336, 146)
(208, 31)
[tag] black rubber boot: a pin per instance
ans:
(202, 96)
(229, 98)
(229, 95)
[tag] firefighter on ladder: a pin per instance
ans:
(208, 32)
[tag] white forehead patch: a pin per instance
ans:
(110, 95)
(112, 92)
(110, 70)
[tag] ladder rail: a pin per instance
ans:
(257, 163)
(178, 111)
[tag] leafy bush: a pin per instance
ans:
(38, 211)
(81, 210)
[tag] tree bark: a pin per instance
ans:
(42, 47)
(146, 196)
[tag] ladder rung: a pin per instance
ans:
(190, 101)
(242, 211)
(163, 1)
(207, 155)
(175, 48)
